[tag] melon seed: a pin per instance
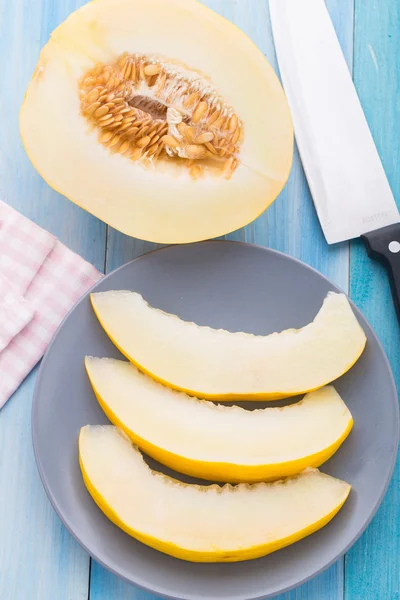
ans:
(143, 141)
(204, 137)
(195, 151)
(169, 140)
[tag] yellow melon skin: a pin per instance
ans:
(219, 365)
(219, 443)
(164, 203)
(202, 523)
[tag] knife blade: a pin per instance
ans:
(346, 178)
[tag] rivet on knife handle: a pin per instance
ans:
(383, 245)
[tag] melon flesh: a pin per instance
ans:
(200, 523)
(158, 200)
(217, 364)
(219, 443)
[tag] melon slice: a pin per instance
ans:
(219, 443)
(202, 523)
(161, 118)
(217, 364)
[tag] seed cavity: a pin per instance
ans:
(149, 108)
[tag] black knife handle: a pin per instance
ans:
(383, 245)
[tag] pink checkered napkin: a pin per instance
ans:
(40, 280)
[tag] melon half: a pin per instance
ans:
(202, 523)
(159, 117)
(220, 365)
(219, 443)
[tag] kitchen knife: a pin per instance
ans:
(349, 187)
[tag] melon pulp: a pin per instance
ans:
(161, 118)
(219, 443)
(217, 364)
(202, 523)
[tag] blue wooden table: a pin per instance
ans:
(38, 558)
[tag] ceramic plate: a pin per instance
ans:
(237, 287)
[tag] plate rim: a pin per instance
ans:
(154, 590)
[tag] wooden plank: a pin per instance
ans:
(289, 225)
(372, 566)
(39, 560)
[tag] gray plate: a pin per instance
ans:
(240, 288)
